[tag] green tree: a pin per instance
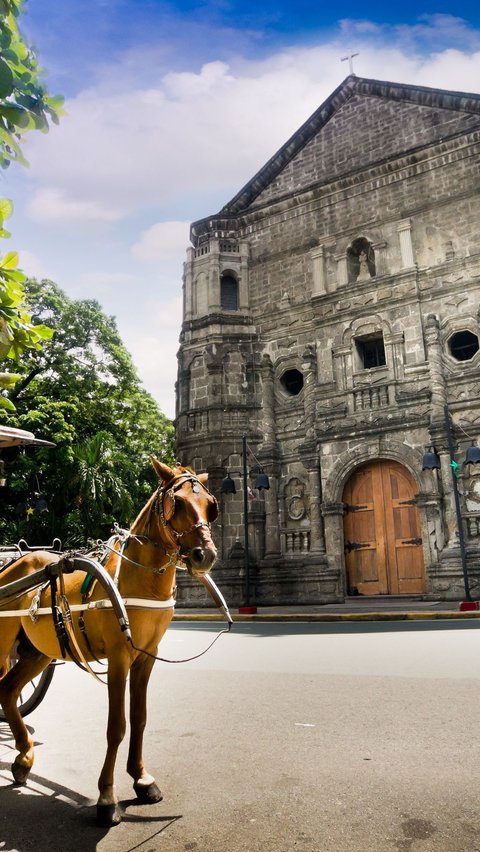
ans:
(81, 391)
(24, 105)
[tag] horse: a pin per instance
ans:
(174, 526)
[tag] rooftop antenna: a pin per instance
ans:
(350, 61)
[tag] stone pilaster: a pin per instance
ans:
(268, 397)
(437, 379)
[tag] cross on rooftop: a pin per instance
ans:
(350, 61)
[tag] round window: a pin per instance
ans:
(292, 382)
(463, 345)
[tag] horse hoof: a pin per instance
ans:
(108, 815)
(20, 772)
(148, 794)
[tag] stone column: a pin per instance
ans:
(342, 274)
(393, 350)
(333, 520)
(406, 248)
(272, 532)
(309, 457)
(343, 368)
(243, 302)
(439, 441)
(319, 271)
(214, 277)
(188, 285)
(309, 367)
(268, 398)
(437, 379)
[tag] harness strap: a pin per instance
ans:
(104, 603)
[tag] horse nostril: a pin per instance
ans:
(197, 555)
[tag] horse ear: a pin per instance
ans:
(203, 478)
(163, 471)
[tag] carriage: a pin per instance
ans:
(11, 443)
(114, 604)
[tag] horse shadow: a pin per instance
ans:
(48, 815)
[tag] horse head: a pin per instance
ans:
(186, 510)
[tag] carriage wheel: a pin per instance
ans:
(34, 692)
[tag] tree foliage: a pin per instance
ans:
(24, 105)
(81, 391)
(24, 101)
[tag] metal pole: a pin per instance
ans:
(461, 536)
(246, 558)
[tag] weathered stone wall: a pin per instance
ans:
(300, 315)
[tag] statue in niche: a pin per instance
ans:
(360, 260)
(364, 273)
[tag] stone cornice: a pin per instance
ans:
(363, 180)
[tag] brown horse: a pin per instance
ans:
(173, 526)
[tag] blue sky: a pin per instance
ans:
(171, 108)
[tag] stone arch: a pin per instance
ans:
(410, 458)
(363, 326)
(345, 467)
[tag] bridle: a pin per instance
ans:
(163, 507)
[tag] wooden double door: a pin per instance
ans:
(383, 544)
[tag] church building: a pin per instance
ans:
(331, 335)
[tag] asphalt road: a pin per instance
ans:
(284, 738)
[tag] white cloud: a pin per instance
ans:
(99, 284)
(31, 265)
(118, 151)
(54, 205)
(153, 348)
(164, 241)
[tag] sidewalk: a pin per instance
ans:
(354, 609)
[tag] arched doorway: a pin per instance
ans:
(383, 545)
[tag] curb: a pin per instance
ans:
(333, 616)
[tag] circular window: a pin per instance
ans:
(292, 382)
(463, 345)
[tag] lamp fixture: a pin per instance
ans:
(472, 455)
(431, 460)
(228, 486)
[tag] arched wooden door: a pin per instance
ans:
(383, 545)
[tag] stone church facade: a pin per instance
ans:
(332, 316)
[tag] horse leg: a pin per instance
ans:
(143, 783)
(11, 685)
(108, 813)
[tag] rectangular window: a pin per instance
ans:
(371, 351)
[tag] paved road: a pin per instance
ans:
(284, 738)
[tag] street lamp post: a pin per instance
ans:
(431, 461)
(228, 487)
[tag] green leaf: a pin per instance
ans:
(10, 261)
(6, 208)
(9, 380)
(6, 79)
(43, 331)
(16, 115)
(7, 404)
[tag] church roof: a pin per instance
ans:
(422, 96)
